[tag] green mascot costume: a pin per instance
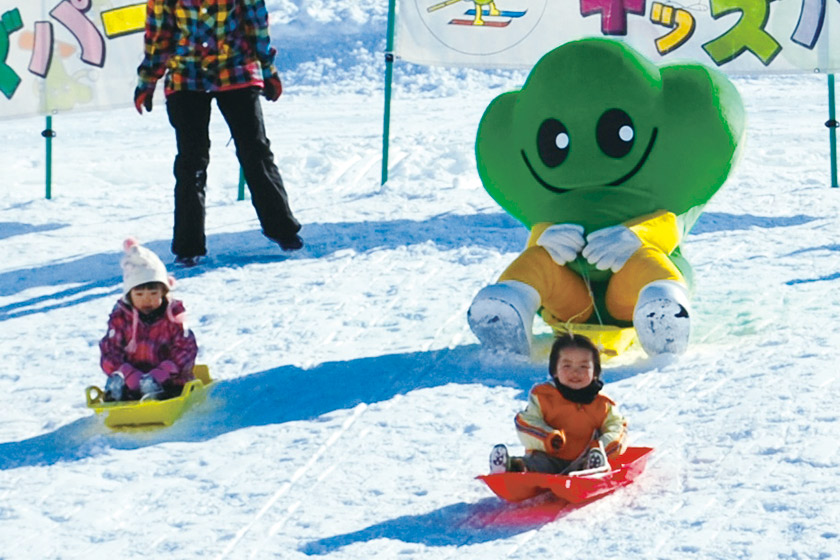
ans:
(608, 160)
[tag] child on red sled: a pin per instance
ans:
(568, 425)
(148, 350)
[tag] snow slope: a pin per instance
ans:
(353, 406)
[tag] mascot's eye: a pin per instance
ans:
(615, 133)
(553, 142)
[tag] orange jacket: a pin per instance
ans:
(549, 413)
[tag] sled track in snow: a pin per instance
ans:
(284, 489)
(257, 531)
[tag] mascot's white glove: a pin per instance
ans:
(609, 248)
(563, 242)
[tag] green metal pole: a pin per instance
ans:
(48, 135)
(389, 73)
(241, 195)
(832, 130)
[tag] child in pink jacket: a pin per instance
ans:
(147, 350)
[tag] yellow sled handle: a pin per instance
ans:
(202, 372)
(94, 395)
(191, 386)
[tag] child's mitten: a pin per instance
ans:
(556, 440)
(132, 379)
(160, 375)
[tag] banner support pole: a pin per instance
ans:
(389, 73)
(48, 133)
(831, 123)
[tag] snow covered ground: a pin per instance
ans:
(353, 407)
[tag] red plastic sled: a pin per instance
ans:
(516, 486)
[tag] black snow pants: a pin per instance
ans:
(189, 115)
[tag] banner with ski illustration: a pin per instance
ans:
(68, 55)
(736, 36)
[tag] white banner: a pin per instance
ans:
(736, 36)
(68, 55)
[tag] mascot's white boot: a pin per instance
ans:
(502, 316)
(661, 317)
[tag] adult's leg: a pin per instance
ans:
(189, 115)
(241, 109)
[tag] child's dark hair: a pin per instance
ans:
(569, 340)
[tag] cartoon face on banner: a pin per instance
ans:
(599, 135)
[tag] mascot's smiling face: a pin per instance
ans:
(599, 135)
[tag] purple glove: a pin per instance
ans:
(164, 371)
(159, 375)
(132, 379)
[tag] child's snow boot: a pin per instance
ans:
(499, 459)
(597, 457)
(149, 388)
(501, 316)
(661, 317)
(114, 387)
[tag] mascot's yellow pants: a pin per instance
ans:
(565, 295)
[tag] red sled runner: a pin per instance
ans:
(574, 488)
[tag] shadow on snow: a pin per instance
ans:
(834, 247)
(289, 393)
(455, 525)
(279, 395)
(97, 276)
(11, 229)
(711, 222)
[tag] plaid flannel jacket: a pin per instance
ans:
(134, 348)
(206, 45)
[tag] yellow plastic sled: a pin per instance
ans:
(150, 413)
(611, 340)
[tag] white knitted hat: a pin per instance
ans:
(140, 265)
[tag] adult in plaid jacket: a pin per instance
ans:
(205, 50)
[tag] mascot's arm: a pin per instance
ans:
(659, 230)
(536, 231)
